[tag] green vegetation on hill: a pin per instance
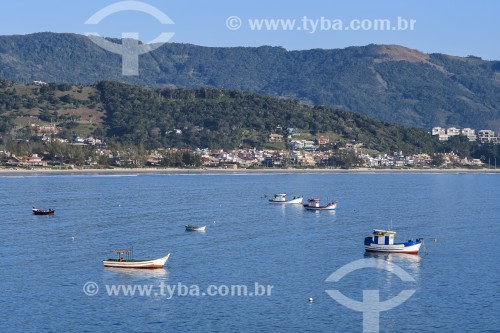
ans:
(204, 117)
(135, 119)
(391, 83)
(217, 118)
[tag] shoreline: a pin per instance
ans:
(208, 171)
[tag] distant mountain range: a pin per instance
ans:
(389, 82)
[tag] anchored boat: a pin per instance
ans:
(281, 199)
(37, 211)
(383, 241)
(125, 260)
(314, 204)
(190, 227)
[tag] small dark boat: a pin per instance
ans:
(37, 211)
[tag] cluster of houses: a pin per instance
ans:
(32, 160)
(246, 158)
(48, 132)
(398, 159)
(298, 152)
(309, 145)
(484, 135)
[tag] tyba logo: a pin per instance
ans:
(371, 306)
(129, 49)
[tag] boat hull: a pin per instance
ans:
(328, 207)
(193, 228)
(293, 201)
(396, 248)
(43, 212)
(147, 264)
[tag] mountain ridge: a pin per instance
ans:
(389, 82)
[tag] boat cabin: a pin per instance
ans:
(123, 255)
(313, 202)
(279, 197)
(381, 237)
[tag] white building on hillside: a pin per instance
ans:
(469, 133)
(487, 136)
(441, 132)
(453, 131)
(438, 131)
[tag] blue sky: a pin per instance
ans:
(455, 27)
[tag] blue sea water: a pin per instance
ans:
(47, 262)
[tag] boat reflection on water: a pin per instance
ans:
(409, 262)
(395, 258)
(318, 213)
(328, 216)
(138, 273)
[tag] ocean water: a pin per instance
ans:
(53, 280)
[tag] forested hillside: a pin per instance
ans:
(206, 117)
(391, 83)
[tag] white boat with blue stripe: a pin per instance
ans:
(383, 241)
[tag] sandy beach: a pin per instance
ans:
(48, 171)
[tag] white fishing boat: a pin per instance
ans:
(125, 260)
(281, 199)
(314, 204)
(383, 241)
(190, 227)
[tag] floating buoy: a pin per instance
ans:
(310, 300)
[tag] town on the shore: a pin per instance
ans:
(299, 153)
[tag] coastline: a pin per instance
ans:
(207, 171)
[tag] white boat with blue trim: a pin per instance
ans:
(383, 241)
(314, 204)
(280, 198)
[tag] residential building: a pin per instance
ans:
(438, 131)
(44, 129)
(34, 160)
(275, 137)
(309, 145)
(487, 136)
(452, 131)
(441, 133)
(469, 133)
(297, 144)
(323, 140)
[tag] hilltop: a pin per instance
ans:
(174, 117)
(389, 82)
